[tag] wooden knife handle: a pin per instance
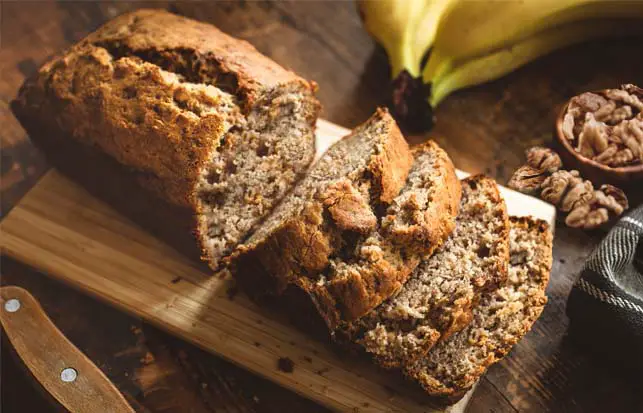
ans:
(63, 370)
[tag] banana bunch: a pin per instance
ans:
(475, 41)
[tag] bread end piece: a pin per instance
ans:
(200, 120)
(501, 319)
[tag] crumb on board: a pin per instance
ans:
(285, 364)
(148, 358)
(322, 371)
(232, 291)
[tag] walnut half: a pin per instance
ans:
(527, 179)
(543, 158)
(607, 126)
(608, 201)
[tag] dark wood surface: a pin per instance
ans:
(485, 129)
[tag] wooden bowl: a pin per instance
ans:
(596, 172)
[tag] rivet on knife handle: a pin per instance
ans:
(63, 370)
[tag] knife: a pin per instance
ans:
(63, 370)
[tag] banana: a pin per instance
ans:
(427, 27)
(476, 28)
(392, 23)
(475, 41)
(500, 62)
(404, 28)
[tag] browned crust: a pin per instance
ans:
(451, 394)
(154, 29)
(115, 90)
(301, 247)
(441, 212)
(463, 316)
(347, 299)
(391, 166)
(82, 92)
(119, 187)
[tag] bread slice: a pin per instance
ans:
(438, 298)
(346, 237)
(200, 119)
(501, 319)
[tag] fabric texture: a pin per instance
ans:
(605, 305)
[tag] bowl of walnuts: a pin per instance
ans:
(601, 134)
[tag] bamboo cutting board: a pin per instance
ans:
(63, 231)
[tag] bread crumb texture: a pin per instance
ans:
(439, 296)
(501, 319)
(353, 230)
(202, 119)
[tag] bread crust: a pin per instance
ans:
(430, 224)
(301, 245)
(308, 244)
(85, 93)
(156, 92)
(392, 333)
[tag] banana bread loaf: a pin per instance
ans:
(346, 236)
(201, 120)
(439, 296)
(501, 319)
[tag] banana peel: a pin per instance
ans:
(505, 60)
(405, 29)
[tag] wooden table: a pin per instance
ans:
(485, 129)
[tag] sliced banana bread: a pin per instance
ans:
(501, 319)
(346, 236)
(200, 119)
(439, 296)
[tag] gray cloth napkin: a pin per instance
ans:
(605, 306)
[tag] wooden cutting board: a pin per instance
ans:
(63, 231)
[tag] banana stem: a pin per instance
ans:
(501, 62)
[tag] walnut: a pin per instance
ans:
(568, 127)
(605, 111)
(566, 190)
(586, 102)
(527, 179)
(614, 199)
(633, 90)
(580, 193)
(615, 156)
(607, 126)
(608, 201)
(539, 157)
(625, 96)
(587, 217)
(630, 133)
(593, 138)
(555, 186)
(613, 115)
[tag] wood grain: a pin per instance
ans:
(47, 352)
(62, 230)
